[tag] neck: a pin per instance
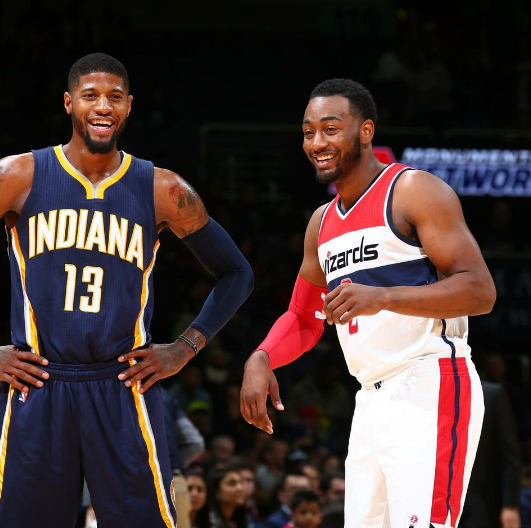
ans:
(351, 186)
(94, 166)
(227, 510)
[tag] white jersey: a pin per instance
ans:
(362, 246)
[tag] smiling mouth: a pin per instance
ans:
(102, 125)
(324, 160)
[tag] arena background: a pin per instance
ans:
(219, 91)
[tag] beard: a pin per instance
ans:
(351, 156)
(97, 147)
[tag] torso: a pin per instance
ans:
(363, 245)
(81, 261)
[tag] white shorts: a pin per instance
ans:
(412, 446)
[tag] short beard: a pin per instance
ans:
(351, 156)
(97, 147)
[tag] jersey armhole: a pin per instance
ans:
(389, 214)
(33, 192)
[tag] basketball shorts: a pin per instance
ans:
(84, 423)
(412, 446)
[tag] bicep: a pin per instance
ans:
(177, 204)
(310, 269)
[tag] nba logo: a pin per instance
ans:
(23, 396)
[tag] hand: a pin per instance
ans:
(258, 382)
(16, 366)
(90, 519)
(510, 517)
(349, 300)
(158, 362)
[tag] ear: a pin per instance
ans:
(68, 103)
(129, 104)
(366, 132)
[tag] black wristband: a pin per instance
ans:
(189, 342)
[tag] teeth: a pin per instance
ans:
(103, 123)
(325, 157)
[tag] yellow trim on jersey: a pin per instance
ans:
(33, 334)
(89, 188)
(3, 438)
(98, 191)
(147, 434)
(140, 337)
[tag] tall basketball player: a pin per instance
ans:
(83, 221)
(399, 271)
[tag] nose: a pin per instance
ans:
(102, 105)
(320, 141)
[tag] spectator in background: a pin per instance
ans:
(332, 491)
(190, 387)
(198, 412)
(226, 498)
(247, 470)
(197, 489)
(494, 489)
(314, 476)
(290, 484)
(273, 465)
(305, 510)
(222, 449)
(184, 443)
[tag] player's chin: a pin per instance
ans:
(326, 176)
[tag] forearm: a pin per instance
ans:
(215, 250)
(297, 330)
(461, 294)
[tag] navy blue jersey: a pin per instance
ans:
(81, 261)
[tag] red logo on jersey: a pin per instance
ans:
(352, 325)
(414, 519)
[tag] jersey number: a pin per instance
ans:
(94, 278)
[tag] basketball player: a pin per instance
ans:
(83, 221)
(399, 272)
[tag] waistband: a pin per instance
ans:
(84, 372)
(421, 367)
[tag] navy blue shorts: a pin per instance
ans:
(84, 423)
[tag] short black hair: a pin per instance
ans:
(327, 478)
(360, 98)
(304, 496)
(96, 62)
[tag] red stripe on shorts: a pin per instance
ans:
(465, 397)
(446, 468)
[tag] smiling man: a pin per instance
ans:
(83, 223)
(391, 263)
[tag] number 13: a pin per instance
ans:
(91, 275)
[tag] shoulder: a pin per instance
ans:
(16, 178)
(167, 178)
(317, 216)
(19, 165)
(419, 194)
(177, 204)
(414, 182)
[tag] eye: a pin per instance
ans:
(116, 97)
(308, 133)
(89, 96)
(331, 129)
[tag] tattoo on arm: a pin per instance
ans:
(4, 169)
(191, 212)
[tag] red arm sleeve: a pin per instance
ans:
(299, 328)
